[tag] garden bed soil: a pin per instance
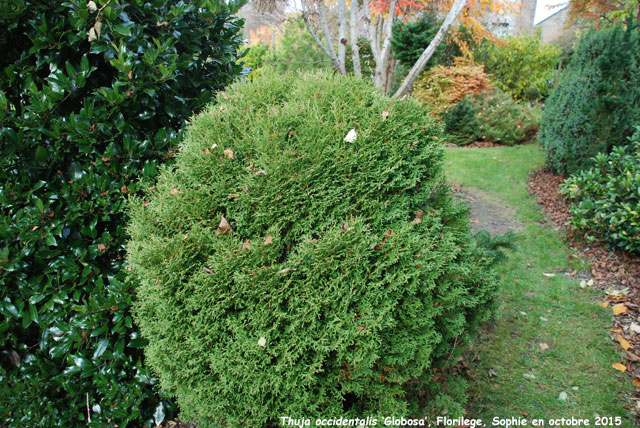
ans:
(615, 272)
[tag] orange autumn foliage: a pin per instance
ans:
(441, 87)
(470, 18)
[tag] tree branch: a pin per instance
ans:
(327, 50)
(455, 10)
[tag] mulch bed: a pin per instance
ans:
(616, 272)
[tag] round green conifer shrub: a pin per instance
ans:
(305, 257)
(596, 103)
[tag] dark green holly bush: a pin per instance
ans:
(92, 98)
(286, 271)
(596, 103)
(606, 198)
(494, 117)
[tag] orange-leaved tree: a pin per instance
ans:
(608, 9)
(378, 16)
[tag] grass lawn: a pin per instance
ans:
(535, 311)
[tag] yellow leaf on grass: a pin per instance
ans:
(636, 382)
(543, 347)
(624, 343)
(620, 367)
(603, 304)
(619, 309)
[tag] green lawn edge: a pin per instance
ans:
(554, 311)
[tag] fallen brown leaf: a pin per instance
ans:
(228, 153)
(624, 343)
(619, 309)
(619, 367)
(632, 357)
(268, 241)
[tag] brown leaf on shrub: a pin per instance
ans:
(224, 228)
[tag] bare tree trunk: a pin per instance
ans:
(328, 48)
(375, 50)
(455, 10)
(382, 64)
(389, 79)
(342, 35)
(353, 31)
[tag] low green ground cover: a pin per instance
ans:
(535, 309)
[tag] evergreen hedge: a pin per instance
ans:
(596, 103)
(287, 271)
(92, 98)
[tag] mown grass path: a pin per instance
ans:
(536, 311)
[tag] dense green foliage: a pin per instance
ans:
(410, 39)
(596, 103)
(296, 50)
(461, 122)
(606, 197)
(253, 59)
(523, 66)
(494, 117)
(91, 100)
(288, 270)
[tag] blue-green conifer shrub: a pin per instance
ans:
(596, 103)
